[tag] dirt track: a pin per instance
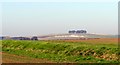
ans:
(11, 58)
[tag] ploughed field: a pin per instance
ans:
(78, 51)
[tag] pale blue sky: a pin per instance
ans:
(27, 19)
(59, 0)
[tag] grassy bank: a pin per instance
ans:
(60, 51)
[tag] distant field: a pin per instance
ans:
(80, 51)
(97, 41)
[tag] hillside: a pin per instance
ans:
(74, 36)
(90, 51)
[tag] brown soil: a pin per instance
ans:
(97, 41)
(12, 58)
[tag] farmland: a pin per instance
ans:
(75, 51)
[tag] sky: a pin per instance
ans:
(59, 0)
(41, 18)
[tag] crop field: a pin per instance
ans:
(72, 51)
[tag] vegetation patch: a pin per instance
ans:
(60, 51)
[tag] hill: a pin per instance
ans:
(74, 36)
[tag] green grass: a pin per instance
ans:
(63, 51)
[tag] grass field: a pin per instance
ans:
(80, 51)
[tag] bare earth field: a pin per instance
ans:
(12, 58)
(97, 41)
